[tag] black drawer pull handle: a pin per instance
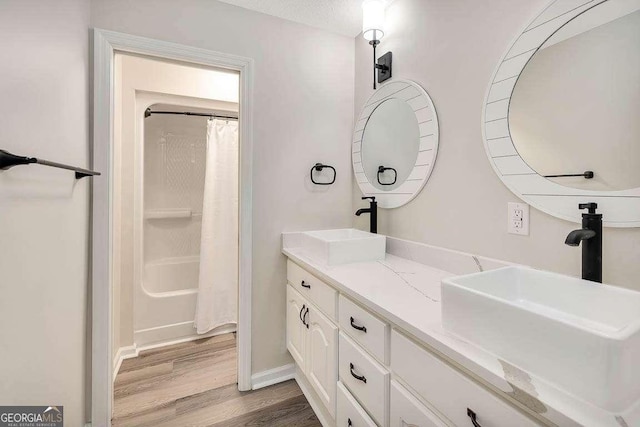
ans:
(301, 310)
(349, 423)
(358, 377)
(360, 328)
(472, 415)
(304, 285)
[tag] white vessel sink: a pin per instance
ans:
(331, 247)
(582, 336)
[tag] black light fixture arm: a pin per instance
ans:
(375, 44)
(9, 160)
(382, 67)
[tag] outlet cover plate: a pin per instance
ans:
(518, 218)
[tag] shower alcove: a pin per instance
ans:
(173, 185)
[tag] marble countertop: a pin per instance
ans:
(407, 293)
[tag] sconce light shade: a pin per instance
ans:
(373, 19)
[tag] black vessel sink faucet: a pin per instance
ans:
(591, 237)
(373, 211)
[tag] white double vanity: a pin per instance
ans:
(392, 333)
(387, 332)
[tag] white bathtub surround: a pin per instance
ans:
(407, 293)
(217, 302)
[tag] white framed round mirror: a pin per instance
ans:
(560, 116)
(395, 143)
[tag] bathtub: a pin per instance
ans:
(165, 302)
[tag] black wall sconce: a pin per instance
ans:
(373, 30)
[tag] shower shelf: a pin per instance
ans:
(171, 214)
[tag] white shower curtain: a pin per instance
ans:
(217, 302)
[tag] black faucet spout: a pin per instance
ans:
(576, 236)
(373, 210)
(591, 237)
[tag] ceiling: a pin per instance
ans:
(338, 16)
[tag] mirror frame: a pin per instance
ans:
(619, 208)
(422, 105)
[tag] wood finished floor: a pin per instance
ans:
(194, 385)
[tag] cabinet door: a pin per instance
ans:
(406, 410)
(322, 356)
(296, 329)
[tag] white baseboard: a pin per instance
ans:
(147, 339)
(318, 407)
(273, 376)
(123, 353)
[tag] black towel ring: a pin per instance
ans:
(382, 169)
(318, 167)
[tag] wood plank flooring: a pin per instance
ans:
(194, 385)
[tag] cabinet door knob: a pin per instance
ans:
(356, 376)
(360, 328)
(472, 415)
(300, 314)
(304, 285)
(304, 317)
(349, 423)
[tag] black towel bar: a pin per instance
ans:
(585, 175)
(8, 160)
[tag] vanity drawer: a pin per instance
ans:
(367, 380)
(406, 410)
(448, 390)
(368, 331)
(350, 413)
(312, 288)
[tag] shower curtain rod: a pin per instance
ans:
(148, 112)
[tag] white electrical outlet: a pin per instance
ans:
(518, 218)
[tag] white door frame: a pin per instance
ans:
(105, 44)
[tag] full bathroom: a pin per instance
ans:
(379, 213)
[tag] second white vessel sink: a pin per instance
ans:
(343, 246)
(582, 336)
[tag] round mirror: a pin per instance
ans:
(590, 71)
(395, 143)
(560, 118)
(391, 122)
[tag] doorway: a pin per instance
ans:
(107, 336)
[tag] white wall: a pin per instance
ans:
(303, 114)
(44, 212)
(452, 48)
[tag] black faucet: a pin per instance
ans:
(373, 210)
(591, 237)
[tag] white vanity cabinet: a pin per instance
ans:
(296, 326)
(448, 390)
(367, 372)
(312, 340)
(322, 357)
